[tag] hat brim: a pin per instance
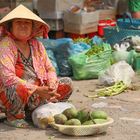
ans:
(23, 13)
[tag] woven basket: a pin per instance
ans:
(114, 35)
(83, 130)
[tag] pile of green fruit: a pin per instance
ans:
(72, 116)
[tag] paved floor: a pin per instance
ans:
(123, 108)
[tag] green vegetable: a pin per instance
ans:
(73, 122)
(84, 40)
(60, 118)
(116, 89)
(98, 114)
(99, 121)
(89, 122)
(98, 49)
(95, 49)
(82, 115)
(70, 113)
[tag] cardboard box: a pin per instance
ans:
(54, 9)
(81, 18)
(80, 28)
(81, 23)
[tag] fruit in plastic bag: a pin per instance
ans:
(44, 122)
(43, 115)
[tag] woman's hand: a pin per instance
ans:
(46, 93)
(52, 87)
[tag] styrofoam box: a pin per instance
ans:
(82, 17)
(53, 9)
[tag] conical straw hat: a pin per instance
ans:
(22, 12)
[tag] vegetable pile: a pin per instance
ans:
(116, 89)
(72, 116)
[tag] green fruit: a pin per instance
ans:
(99, 121)
(89, 122)
(98, 115)
(73, 122)
(70, 113)
(83, 116)
(60, 118)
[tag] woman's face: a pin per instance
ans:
(21, 28)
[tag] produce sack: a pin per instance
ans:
(78, 48)
(53, 43)
(123, 55)
(62, 53)
(61, 50)
(53, 60)
(85, 67)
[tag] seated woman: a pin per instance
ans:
(27, 77)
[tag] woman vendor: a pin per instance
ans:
(27, 77)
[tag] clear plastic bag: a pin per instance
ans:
(43, 115)
(120, 71)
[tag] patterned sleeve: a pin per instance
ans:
(51, 72)
(7, 68)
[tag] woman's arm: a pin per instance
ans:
(52, 79)
(7, 67)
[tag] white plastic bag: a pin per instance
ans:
(43, 115)
(120, 71)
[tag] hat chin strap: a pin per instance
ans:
(19, 39)
(15, 38)
(39, 30)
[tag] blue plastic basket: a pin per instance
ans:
(125, 27)
(127, 21)
(114, 35)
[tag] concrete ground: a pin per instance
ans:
(123, 108)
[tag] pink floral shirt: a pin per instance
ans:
(41, 63)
